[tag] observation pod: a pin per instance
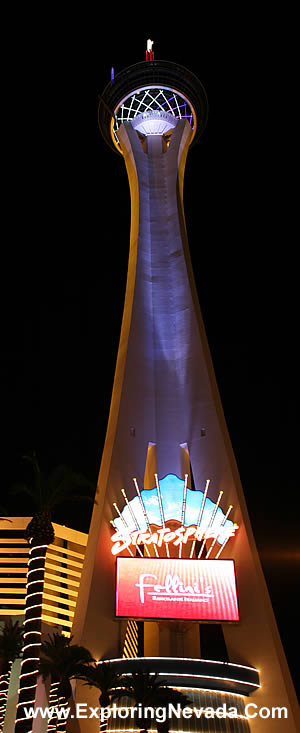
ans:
(167, 438)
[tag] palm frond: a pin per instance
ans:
(11, 641)
(48, 491)
(63, 661)
(21, 488)
(64, 483)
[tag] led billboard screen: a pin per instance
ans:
(176, 589)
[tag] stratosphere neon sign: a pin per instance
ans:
(166, 536)
(151, 518)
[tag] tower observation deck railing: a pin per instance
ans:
(153, 74)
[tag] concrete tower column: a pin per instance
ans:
(148, 420)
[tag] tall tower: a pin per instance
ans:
(170, 510)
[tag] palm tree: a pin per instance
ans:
(46, 492)
(61, 661)
(11, 642)
(144, 687)
(148, 691)
(166, 696)
(104, 677)
(111, 685)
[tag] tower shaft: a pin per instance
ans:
(166, 413)
(155, 402)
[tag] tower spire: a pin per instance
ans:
(149, 51)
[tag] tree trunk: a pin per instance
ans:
(72, 722)
(52, 702)
(62, 722)
(32, 635)
(4, 685)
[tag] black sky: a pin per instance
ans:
(65, 249)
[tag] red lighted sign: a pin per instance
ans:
(179, 589)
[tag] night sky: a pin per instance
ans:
(65, 250)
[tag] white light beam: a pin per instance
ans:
(211, 522)
(200, 513)
(221, 525)
(161, 509)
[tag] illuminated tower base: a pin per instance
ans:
(166, 416)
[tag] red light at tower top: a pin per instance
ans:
(149, 52)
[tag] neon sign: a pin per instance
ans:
(178, 589)
(165, 536)
(171, 515)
